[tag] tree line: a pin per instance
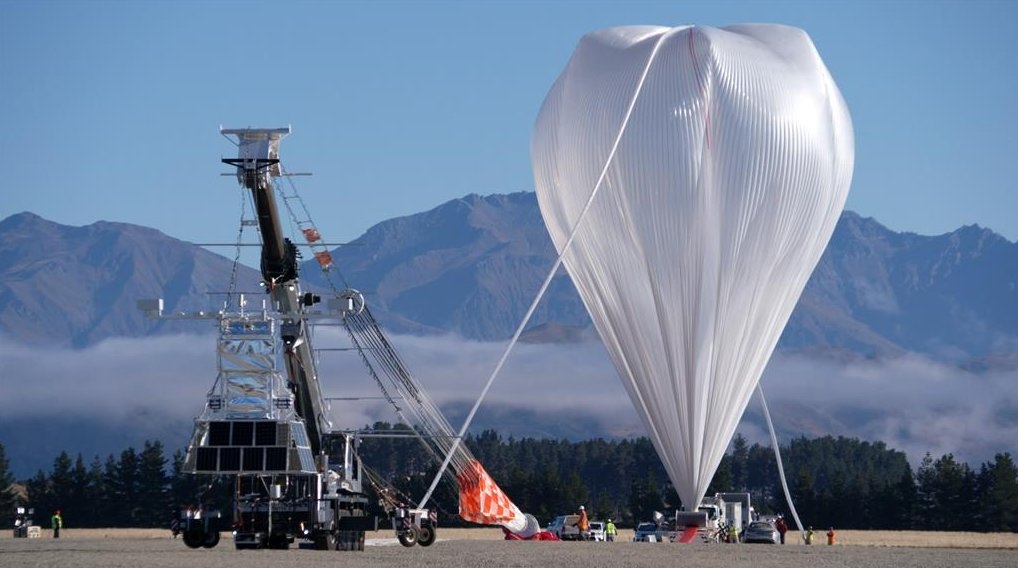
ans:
(844, 482)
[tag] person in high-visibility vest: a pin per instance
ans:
(56, 522)
(830, 536)
(610, 531)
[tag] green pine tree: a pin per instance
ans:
(999, 481)
(123, 481)
(7, 498)
(153, 486)
(61, 483)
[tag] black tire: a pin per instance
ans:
(194, 538)
(211, 539)
(426, 536)
(250, 545)
(326, 541)
(279, 542)
(408, 537)
(348, 541)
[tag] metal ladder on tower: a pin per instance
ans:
(301, 217)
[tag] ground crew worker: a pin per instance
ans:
(610, 531)
(56, 522)
(809, 536)
(583, 524)
(830, 536)
(782, 527)
(733, 534)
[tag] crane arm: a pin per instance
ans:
(257, 163)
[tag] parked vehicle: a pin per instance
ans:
(564, 527)
(650, 532)
(596, 532)
(23, 527)
(715, 515)
(738, 509)
(762, 531)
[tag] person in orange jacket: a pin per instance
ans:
(830, 536)
(583, 524)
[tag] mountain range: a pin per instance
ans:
(469, 269)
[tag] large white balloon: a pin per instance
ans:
(721, 160)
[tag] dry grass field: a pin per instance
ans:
(484, 547)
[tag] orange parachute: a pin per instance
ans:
(481, 499)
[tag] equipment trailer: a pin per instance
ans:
(295, 478)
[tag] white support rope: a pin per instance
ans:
(777, 456)
(548, 278)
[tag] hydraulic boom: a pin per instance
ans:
(257, 163)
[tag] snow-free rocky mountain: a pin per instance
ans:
(471, 267)
(75, 286)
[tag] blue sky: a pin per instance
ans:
(110, 110)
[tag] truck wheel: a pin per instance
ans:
(194, 538)
(426, 536)
(211, 539)
(278, 542)
(247, 545)
(325, 541)
(408, 537)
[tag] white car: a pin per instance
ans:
(597, 531)
(761, 531)
(650, 532)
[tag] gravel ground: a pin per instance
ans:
(483, 552)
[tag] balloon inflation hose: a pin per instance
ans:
(777, 456)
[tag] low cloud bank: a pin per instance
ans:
(913, 404)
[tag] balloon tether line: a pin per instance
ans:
(548, 278)
(777, 455)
